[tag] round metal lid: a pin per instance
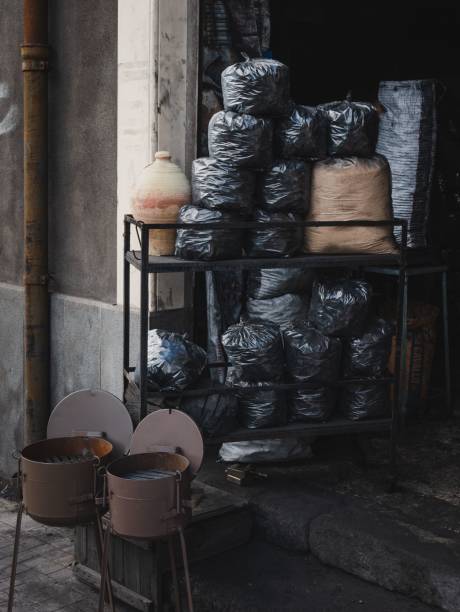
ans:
(170, 430)
(93, 412)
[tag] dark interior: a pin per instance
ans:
(347, 48)
(334, 50)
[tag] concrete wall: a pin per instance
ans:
(86, 346)
(82, 147)
(11, 375)
(11, 157)
(86, 352)
(86, 327)
(86, 334)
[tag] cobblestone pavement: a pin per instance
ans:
(45, 580)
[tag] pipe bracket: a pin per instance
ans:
(35, 58)
(31, 65)
(35, 279)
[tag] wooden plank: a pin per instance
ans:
(208, 501)
(80, 546)
(92, 578)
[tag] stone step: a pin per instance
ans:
(260, 577)
(404, 542)
(396, 555)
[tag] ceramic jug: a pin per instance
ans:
(160, 191)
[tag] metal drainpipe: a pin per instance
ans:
(34, 53)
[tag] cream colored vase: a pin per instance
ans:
(160, 191)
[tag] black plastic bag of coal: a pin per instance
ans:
(316, 404)
(266, 283)
(215, 415)
(258, 87)
(310, 354)
(369, 353)
(353, 128)
(365, 401)
(339, 307)
(241, 140)
(303, 134)
(282, 310)
(217, 186)
(285, 187)
(256, 349)
(208, 244)
(173, 363)
(258, 406)
(274, 241)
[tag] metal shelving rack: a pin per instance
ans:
(147, 265)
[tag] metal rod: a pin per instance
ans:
(34, 53)
(14, 565)
(404, 379)
(268, 224)
(99, 546)
(445, 317)
(188, 585)
(104, 568)
(398, 404)
(144, 319)
(126, 300)
(172, 561)
(223, 389)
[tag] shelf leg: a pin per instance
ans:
(186, 570)
(126, 302)
(445, 321)
(104, 569)
(402, 341)
(144, 320)
(175, 581)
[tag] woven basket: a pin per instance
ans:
(421, 342)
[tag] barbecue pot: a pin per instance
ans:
(59, 479)
(150, 508)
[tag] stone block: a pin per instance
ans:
(76, 346)
(391, 554)
(283, 516)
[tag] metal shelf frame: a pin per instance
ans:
(147, 265)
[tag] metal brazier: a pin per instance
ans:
(59, 479)
(152, 507)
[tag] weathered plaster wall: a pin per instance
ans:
(11, 158)
(83, 147)
(11, 375)
(86, 352)
(86, 330)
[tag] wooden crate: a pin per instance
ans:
(140, 569)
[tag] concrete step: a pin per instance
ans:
(396, 555)
(404, 542)
(260, 577)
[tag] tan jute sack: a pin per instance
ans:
(351, 189)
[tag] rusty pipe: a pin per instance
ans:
(34, 53)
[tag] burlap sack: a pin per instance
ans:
(347, 189)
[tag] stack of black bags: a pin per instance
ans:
(246, 177)
(261, 149)
(338, 340)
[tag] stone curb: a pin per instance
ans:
(393, 555)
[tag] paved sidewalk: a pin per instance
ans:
(45, 581)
